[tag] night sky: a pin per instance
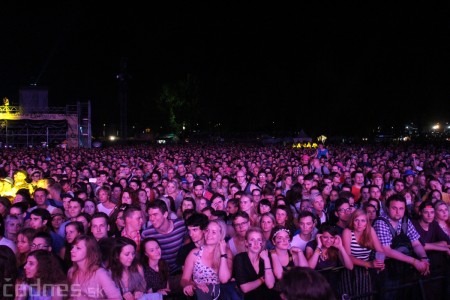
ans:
(329, 69)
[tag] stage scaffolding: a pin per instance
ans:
(68, 126)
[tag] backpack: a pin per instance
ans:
(401, 243)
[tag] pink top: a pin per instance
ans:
(99, 286)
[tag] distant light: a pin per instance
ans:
(407, 127)
(184, 127)
(435, 127)
(112, 138)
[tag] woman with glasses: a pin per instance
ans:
(252, 269)
(43, 278)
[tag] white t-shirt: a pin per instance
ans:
(5, 242)
(300, 243)
(102, 208)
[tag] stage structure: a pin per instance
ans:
(27, 126)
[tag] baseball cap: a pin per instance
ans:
(409, 173)
(57, 212)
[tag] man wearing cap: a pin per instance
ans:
(409, 177)
(7, 191)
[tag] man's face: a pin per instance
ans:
(427, 214)
(396, 210)
(232, 209)
(245, 203)
(115, 193)
(375, 193)
(157, 217)
(15, 211)
(195, 233)
(36, 222)
(306, 225)
(359, 178)
(344, 212)
(99, 228)
(318, 203)
(40, 197)
(365, 193)
(74, 209)
(134, 221)
(198, 191)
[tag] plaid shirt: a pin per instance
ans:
(135, 236)
(384, 233)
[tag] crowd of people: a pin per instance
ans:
(225, 222)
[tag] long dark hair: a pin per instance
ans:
(136, 281)
(49, 270)
(163, 267)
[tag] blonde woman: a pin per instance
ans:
(208, 266)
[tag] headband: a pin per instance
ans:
(281, 230)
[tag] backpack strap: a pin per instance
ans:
(405, 225)
(391, 228)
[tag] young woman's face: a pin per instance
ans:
(327, 239)
(79, 251)
(254, 242)
(127, 255)
(360, 223)
(442, 212)
(371, 213)
(31, 267)
(71, 233)
(282, 240)
(264, 208)
(120, 221)
(267, 224)
(152, 250)
(23, 244)
(89, 207)
(212, 234)
(126, 198)
(281, 217)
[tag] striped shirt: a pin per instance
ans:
(170, 242)
(359, 251)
